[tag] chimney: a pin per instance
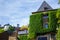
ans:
(17, 28)
(17, 25)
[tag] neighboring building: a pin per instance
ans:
(6, 36)
(9, 34)
(22, 32)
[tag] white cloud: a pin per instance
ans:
(25, 21)
(22, 21)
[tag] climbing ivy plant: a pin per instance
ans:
(36, 23)
(52, 20)
(58, 35)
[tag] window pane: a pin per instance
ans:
(46, 25)
(42, 38)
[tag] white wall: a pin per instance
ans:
(23, 32)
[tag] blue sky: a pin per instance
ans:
(18, 11)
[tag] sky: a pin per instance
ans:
(18, 11)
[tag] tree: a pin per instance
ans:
(58, 13)
(8, 27)
(58, 32)
(11, 28)
(58, 17)
(58, 35)
(59, 2)
(1, 30)
(24, 27)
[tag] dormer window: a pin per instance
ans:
(45, 8)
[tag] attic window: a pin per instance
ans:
(45, 16)
(45, 8)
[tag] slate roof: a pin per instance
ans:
(45, 6)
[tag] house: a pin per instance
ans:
(22, 32)
(43, 23)
(8, 34)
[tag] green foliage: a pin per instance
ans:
(24, 27)
(23, 37)
(1, 30)
(11, 28)
(36, 23)
(52, 20)
(31, 35)
(58, 35)
(58, 13)
(59, 2)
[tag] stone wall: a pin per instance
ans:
(49, 36)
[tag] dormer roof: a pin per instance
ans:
(45, 6)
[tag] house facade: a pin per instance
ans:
(43, 23)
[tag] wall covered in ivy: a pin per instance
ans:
(52, 21)
(58, 31)
(36, 23)
(58, 34)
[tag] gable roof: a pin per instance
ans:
(45, 6)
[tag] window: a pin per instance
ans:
(42, 38)
(45, 8)
(45, 20)
(46, 25)
(45, 16)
